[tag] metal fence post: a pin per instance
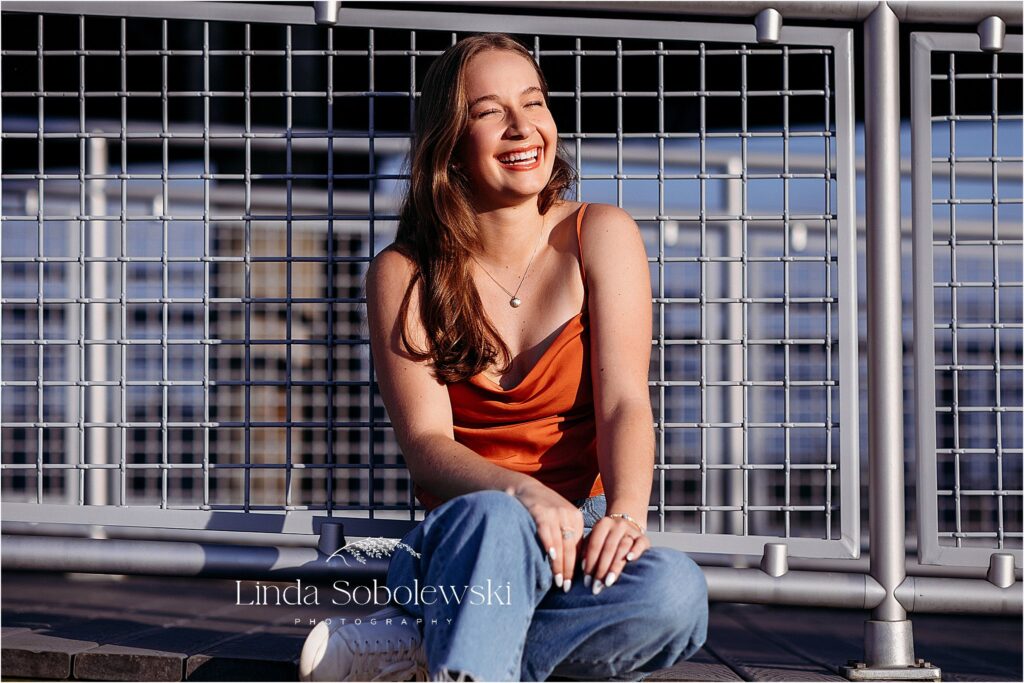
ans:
(888, 635)
(732, 234)
(96, 328)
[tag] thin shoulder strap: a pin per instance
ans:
(579, 240)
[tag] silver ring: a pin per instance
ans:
(568, 534)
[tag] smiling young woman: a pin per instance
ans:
(511, 330)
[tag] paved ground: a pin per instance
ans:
(58, 626)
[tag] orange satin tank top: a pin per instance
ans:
(545, 426)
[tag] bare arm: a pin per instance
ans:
(416, 401)
(619, 292)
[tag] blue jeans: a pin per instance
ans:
(654, 616)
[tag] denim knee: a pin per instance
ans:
(496, 508)
(675, 597)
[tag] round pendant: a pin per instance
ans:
(514, 303)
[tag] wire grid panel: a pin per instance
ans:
(968, 302)
(183, 259)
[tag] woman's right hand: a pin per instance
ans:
(559, 527)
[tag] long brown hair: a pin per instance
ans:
(437, 225)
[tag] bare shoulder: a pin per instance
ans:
(390, 285)
(605, 219)
(608, 232)
(391, 264)
(606, 212)
(389, 275)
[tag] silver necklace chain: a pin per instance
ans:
(514, 301)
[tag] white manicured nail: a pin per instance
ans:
(598, 586)
(552, 554)
(558, 580)
(630, 557)
(610, 579)
(586, 580)
(567, 585)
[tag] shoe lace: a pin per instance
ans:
(397, 661)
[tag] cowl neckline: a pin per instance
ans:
(570, 329)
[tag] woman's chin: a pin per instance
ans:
(510, 194)
(529, 186)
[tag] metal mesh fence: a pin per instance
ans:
(978, 303)
(189, 208)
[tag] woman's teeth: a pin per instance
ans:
(519, 157)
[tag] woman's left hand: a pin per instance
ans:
(612, 543)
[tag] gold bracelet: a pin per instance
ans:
(628, 518)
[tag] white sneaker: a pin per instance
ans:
(365, 652)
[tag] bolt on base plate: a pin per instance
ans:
(922, 671)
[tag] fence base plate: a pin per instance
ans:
(922, 671)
